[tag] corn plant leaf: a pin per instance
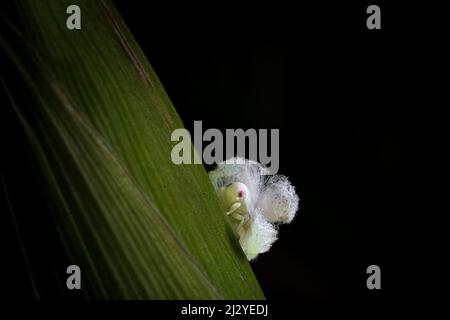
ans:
(98, 124)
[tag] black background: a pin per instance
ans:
(340, 95)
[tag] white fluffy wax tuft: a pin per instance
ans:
(259, 238)
(278, 201)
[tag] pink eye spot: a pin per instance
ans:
(241, 194)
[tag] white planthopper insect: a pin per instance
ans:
(255, 203)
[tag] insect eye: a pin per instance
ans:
(241, 193)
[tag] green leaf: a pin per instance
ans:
(98, 124)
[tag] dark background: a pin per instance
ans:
(336, 91)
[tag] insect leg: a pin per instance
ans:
(233, 208)
(244, 219)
